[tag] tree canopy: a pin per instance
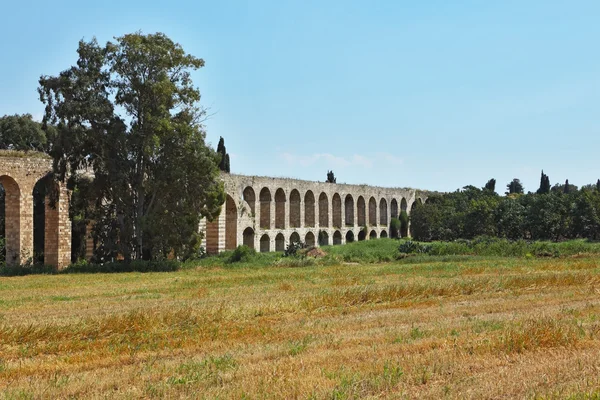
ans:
(129, 112)
(224, 156)
(330, 177)
(21, 132)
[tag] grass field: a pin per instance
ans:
(453, 327)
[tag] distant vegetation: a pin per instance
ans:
(552, 213)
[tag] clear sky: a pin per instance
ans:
(427, 94)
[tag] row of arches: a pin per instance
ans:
(272, 209)
(265, 244)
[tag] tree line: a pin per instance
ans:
(557, 212)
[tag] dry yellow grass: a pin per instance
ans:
(495, 328)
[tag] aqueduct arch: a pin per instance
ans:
(19, 173)
(292, 209)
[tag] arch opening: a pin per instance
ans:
(280, 209)
(337, 238)
(250, 199)
(12, 219)
(265, 208)
(361, 211)
(265, 243)
(249, 237)
(372, 211)
(373, 235)
(349, 210)
(362, 235)
(309, 239)
(279, 242)
(394, 209)
(337, 211)
(230, 224)
(349, 237)
(295, 209)
(294, 237)
(323, 210)
(383, 217)
(323, 238)
(383, 234)
(403, 205)
(309, 209)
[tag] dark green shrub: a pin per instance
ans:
(293, 247)
(26, 269)
(395, 228)
(403, 217)
(242, 253)
(412, 247)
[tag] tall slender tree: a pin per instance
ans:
(544, 184)
(490, 185)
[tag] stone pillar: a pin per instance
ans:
(57, 245)
(222, 224)
(302, 213)
(286, 212)
(317, 216)
(355, 200)
(330, 212)
(343, 207)
(272, 209)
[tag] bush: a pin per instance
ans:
(293, 247)
(26, 269)
(395, 226)
(241, 254)
(412, 247)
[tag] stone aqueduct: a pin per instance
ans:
(269, 213)
(260, 212)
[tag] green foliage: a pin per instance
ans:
(544, 184)
(412, 247)
(224, 156)
(21, 132)
(241, 254)
(293, 248)
(564, 188)
(471, 212)
(403, 217)
(515, 187)
(128, 111)
(395, 228)
(330, 177)
(490, 185)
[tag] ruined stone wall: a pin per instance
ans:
(267, 213)
(19, 173)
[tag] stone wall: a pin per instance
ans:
(267, 213)
(19, 173)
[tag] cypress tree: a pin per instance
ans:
(227, 166)
(490, 185)
(544, 184)
(224, 160)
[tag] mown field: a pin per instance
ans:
(420, 327)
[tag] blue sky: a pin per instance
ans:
(431, 94)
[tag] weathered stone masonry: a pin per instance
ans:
(261, 212)
(268, 213)
(19, 175)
